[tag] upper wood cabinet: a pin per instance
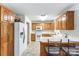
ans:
(65, 21)
(6, 14)
(34, 26)
(45, 26)
(70, 20)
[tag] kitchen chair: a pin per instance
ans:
(73, 51)
(53, 50)
(61, 51)
(66, 48)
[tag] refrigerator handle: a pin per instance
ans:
(23, 35)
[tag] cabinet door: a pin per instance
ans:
(57, 25)
(7, 43)
(42, 49)
(52, 26)
(64, 22)
(60, 24)
(4, 14)
(34, 25)
(4, 39)
(11, 17)
(8, 16)
(0, 39)
(10, 39)
(47, 26)
(70, 20)
(33, 38)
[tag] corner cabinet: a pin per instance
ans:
(65, 21)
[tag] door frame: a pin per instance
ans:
(28, 33)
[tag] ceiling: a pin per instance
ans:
(32, 10)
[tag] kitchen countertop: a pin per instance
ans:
(58, 38)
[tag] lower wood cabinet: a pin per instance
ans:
(33, 37)
(42, 48)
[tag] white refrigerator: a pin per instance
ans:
(19, 38)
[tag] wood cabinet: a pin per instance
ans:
(10, 39)
(46, 35)
(34, 26)
(70, 20)
(42, 48)
(57, 25)
(7, 18)
(7, 42)
(45, 26)
(52, 26)
(4, 39)
(7, 15)
(65, 21)
(33, 37)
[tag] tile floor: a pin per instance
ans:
(33, 49)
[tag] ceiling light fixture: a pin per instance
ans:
(43, 17)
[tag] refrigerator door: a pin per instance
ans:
(19, 38)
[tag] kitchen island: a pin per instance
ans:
(73, 50)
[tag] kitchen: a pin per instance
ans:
(40, 29)
(55, 31)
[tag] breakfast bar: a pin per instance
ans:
(54, 49)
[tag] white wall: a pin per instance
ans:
(27, 20)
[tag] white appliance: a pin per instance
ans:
(19, 38)
(38, 27)
(38, 33)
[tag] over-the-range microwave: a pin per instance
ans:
(38, 27)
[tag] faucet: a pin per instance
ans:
(66, 35)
